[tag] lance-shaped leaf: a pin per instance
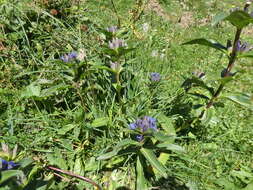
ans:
(207, 42)
(193, 82)
(150, 156)
(141, 181)
(121, 145)
(242, 99)
(246, 55)
(237, 18)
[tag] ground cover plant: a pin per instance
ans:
(117, 94)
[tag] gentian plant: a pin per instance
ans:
(115, 50)
(75, 60)
(234, 51)
(149, 148)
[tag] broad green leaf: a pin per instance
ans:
(52, 90)
(79, 167)
(242, 99)
(31, 91)
(207, 42)
(99, 122)
(162, 137)
(239, 18)
(5, 175)
(167, 124)
(196, 82)
(66, 128)
(163, 158)
(150, 156)
(25, 162)
(227, 185)
(117, 148)
(140, 181)
(249, 186)
(57, 159)
(172, 147)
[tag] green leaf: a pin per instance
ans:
(166, 124)
(226, 80)
(227, 185)
(249, 186)
(196, 82)
(31, 91)
(141, 181)
(52, 90)
(150, 156)
(207, 116)
(172, 147)
(99, 122)
(246, 55)
(207, 42)
(66, 128)
(79, 167)
(242, 99)
(5, 175)
(239, 18)
(117, 148)
(162, 137)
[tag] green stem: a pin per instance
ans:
(231, 63)
(116, 12)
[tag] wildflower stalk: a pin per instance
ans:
(232, 60)
(116, 12)
(88, 180)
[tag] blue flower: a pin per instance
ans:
(5, 165)
(139, 138)
(143, 125)
(155, 77)
(117, 43)
(69, 57)
(132, 126)
(112, 29)
(243, 47)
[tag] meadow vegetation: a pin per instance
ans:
(118, 94)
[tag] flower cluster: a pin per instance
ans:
(117, 43)
(5, 165)
(114, 66)
(243, 47)
(69, 57)
(155, 77)
(143, 125)
(112, 29)
(72, 56)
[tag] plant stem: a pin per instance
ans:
(76, 176)
(232, 60)
(116, 12)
